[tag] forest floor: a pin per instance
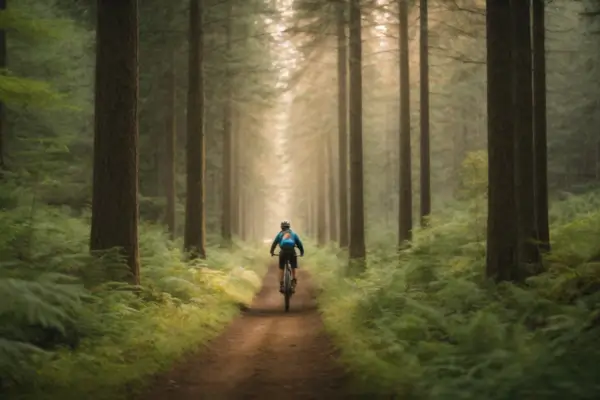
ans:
(265, 353)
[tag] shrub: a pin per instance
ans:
(430, 327)
(70, 331)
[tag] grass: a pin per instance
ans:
(70, 332)
(430, 327)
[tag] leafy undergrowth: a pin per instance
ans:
(430, 327)
(68, 331)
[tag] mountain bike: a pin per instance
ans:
(288, 291)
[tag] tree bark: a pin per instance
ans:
(195, 221)
(539, 123)
(236, 169)
(424, 114)
(523, 109)
(342, 76)
(332, 199)
(227, 205)
(502, 229)
(405, 208)
(115, 177)
(321, 175)
(357, 250)
(170, 150)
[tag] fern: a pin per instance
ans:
(429, 327)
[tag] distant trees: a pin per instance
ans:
(115, 178)
(170, 153)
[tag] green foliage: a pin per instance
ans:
(68, 331)
(48, 89)
(22, 91)
(473, 176)
(430, 327)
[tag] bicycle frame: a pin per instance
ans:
(287, 283)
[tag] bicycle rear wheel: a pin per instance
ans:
(287, 287)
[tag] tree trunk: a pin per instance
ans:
(342, 75)
(2, 106)
(236, 171)
(539, 123)
(195, 221)
(321, 182)
(424, 114)
(115, 177)
(227, 205)
(405, 208)
(243, 227)
(170, 150)
(357, 250)
(523, 109)
(331, 198)
(502, 229)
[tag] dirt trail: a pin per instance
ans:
(265, 354)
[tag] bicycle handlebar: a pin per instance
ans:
(297, 255)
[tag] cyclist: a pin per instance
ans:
(287, 241)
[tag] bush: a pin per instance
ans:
(69, 331)
(430, 327)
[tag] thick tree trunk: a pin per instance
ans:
(502, 229)
(523, 109)
(357, 250)
(227, 205)
(539, 123)
(195, 221)
(424, 99)
(405, 208)
(115, 180)
(342, 75)
(170, 150)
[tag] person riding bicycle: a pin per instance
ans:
(287, 241)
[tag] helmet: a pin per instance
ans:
(285, 224)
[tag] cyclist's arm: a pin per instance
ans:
(275, 241)
(299, 243)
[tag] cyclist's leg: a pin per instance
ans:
(281, 266)
(294, 264)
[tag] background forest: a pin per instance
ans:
(418, 319)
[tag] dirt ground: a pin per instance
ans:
(265, 353)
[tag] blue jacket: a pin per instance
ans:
(287, 239)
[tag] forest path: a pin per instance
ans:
(265, 353)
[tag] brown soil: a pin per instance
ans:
(266, 353)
